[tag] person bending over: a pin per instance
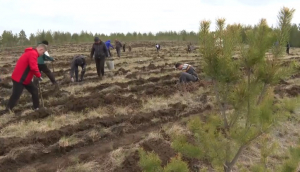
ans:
(26, 67)
(77, 61)
(188, 73)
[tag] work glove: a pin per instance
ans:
(40, 79)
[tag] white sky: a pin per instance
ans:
(109, 16)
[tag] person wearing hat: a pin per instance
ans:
(99, 51)
(44, 68)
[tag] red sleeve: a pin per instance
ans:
(34, 65)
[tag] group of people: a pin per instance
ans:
(27, 72)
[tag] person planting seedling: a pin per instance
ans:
(77, 61)
(188, 73)
(44, 68)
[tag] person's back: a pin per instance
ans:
(189, 69)
(118, 44)
(99, 50)
(26, 67)
(78, 60)
(108, 44)
(118, 47)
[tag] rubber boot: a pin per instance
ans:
(81, 76)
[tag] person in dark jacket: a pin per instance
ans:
(189, 48)
(288, 48)
(124, 46)
(108, 46)
(100, 52)
(188, 73)
(118, 47)
(77, 61)
(44, 68)
(22, 76)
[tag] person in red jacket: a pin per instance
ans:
(22, 76)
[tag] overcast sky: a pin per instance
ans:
(108, 16)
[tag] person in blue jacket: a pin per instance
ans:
(108, 45)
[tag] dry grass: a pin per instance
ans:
(82, 167)
(68, 141)
(22, 129)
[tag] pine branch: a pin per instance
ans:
(222, 108)
(263, 92)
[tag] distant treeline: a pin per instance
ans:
(9, 39)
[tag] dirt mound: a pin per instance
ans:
(130, 163)
(59, 73)
(131, 76)
(122, 100)
(39, 114)
(293, 91)
(55, 93)
(79, 104)
(160, 147)
(6, 84)
(121, 71)
(151, 66)
(159, 91)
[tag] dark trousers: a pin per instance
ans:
(109, 53)
(82, 72)
(124, 48)
(288, 50)
(17, 91)
(100, 66)
(118, 51)
(186, 77)
(45, 69)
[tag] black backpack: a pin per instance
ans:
(98, 51)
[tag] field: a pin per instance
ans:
(98, 125)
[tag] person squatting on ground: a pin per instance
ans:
(118, 47)
(26, 67)
(77, 61)
(44, 68)
(188, 73)
(100, 52)
(157, 46)
(108, 45)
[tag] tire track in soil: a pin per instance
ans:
(135, 125)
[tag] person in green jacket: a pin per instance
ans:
(44, 68)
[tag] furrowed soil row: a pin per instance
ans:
(110, 98)
(122, 124)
